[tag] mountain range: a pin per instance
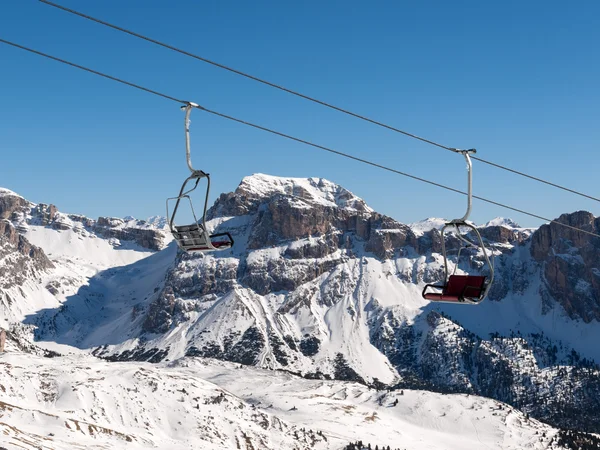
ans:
(319, 290)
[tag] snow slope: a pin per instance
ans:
(79, 402)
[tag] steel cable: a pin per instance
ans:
(311, 99)
(287, 136)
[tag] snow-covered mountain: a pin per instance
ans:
(46, 255)
(320, 285)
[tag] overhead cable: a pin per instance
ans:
(287, 136)
(311, 99)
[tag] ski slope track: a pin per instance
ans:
(320, 286)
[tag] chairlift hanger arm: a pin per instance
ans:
(188, 110)
(466, 154)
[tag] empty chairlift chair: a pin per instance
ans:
(465, 289)
(194, 237)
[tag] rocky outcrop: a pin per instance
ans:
(11, 203)
(571, 263)
(160, 314)
(554, 236)
(12, 238)
(23, 261)
(110, 227)
(310, 208)
(503, 235)
(46, 214)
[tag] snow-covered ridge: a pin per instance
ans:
(74, 220)
(315, 190)
(158, 222)
(502, 222)
(424, 226)
(23, 214)
(8, 192)
(435, 223)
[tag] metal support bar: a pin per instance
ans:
(466, 153)
(188, 110)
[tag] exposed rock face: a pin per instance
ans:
(160, 315)
(110, 227)
(571, 263)
(252, 192)
(285, 212)
(46, 214)
(23, 246)
(503, 235)
(21, 260)
(11, 203)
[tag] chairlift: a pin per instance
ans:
(465, 289)
(194, 237)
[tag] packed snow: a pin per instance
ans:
(80, 402)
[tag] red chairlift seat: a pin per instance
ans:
(460, 288)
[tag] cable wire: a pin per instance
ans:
(287, 136)
(95, 72)
(311, 99)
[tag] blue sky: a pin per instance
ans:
(517, 80)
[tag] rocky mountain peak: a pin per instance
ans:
(281, 210)
(258, 189)
(502, 222)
